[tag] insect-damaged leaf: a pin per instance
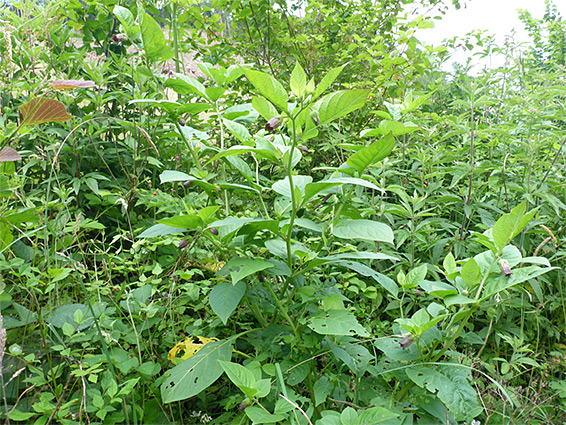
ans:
(41, 110)
(197, 372)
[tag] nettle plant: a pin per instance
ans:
(306, 350)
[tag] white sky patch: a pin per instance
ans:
(497, 17)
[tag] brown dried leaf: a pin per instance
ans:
(8, 154)
(71, 84)
(41, 110)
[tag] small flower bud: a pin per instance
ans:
(314, 117)
(272, 124)
(118, 38)
(406, 341)
(505, 268)
(304, 149)
(214, 231)
(188, 184)
(183, 243)
(182, 122)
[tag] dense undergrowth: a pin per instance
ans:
(313, 225)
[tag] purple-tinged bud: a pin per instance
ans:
(118, 38)
(272, 124)
(182, 122)
(406, 341)
(505, 268)
(314, 117)
(214, 231)
(188, 184)
(183, 243)
(304, 149)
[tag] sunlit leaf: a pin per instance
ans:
(41, 110)
(71, 84)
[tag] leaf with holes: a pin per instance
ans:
(452, 387)
(41, 110)
(355, 356)
(196, 373)
(337, 322)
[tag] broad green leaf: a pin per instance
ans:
(496, 284)
(24, 216)
(197, 372)
(40, 110)
(471, 272)
(298, 81)
(322, 389)
(338, 104)
(327, 81)
(243, 267)
(449, 264)
(17, 415)
(415, 276)
(349, 416)
(159, 230)
(336, 322)
(392, 349)
(238, 130)
(260, 416)
(231, 225)
(510, 225)
(437, 289)
(362, 229)
(174, 176)
(263, 387)
(355, 356)
(376, 415)
(387, 283)
(371, 154)
(65, 314)
(457, 299)
(451, 385)
(6, 236)
(207, 212)
(154, 43)
(241, 149)
(174, 107)
(268, 87)
(241, 377)
(183, 84)
(353, 180)
(214, 93)
(183, 221)
(168, 176)
(283, 187)
(127, 20)
(264, 107)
